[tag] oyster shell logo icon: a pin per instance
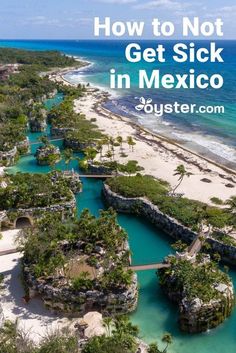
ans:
(143, 103)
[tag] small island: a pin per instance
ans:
(47, 154)
(24, 197)
(204, 293)
(80, 266)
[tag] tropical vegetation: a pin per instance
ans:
(98, 242)
(121, 338)
(189, 212)
(193, 280)
(22, 92)
(25, 190)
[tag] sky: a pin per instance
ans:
(74, 19)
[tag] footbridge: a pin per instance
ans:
(51, 140)
(156, 266)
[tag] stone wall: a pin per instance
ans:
(45, 153)
(59, 131)
(145, 208)
(73, 180)
(8, 158)
(66, 209)
(23, 147)
(64, 300)
(166, 223)
(196, 316)
(99, 169)
(76, 145)
(37, 125)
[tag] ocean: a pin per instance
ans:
(212, 135)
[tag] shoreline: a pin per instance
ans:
(209, 155)
(212, 178)
(139, 126)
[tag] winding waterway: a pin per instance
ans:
(155, 314)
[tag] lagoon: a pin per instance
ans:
(155, 314)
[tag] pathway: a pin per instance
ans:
(52, 140)
(156, 266)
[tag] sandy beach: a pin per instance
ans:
(156, 154)
(33, 318)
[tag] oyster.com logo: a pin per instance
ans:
(145, 105)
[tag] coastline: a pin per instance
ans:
(157, 154)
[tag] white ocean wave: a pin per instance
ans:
(218, 148)
(79, 76)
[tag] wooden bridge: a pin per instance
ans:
(98, 176)
(198, 242)
(156, 266)
(39, 142)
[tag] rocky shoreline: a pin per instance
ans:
(196, 314)
(62, 299)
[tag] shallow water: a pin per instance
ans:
(155, 314)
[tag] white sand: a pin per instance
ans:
(7, 242)
(157, 155)
(33, 317)
(2, 171)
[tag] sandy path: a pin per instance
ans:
(7, 242)
(33, 317)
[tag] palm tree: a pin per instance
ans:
(119, 139)
(106, 141)
(167, 338)
(83, 164)
(112, 142)
(131, 142)
(181, 172)
(109, 154)
(153, 348)
(44, 139)
(123, 326)
(68, 155)
(107, 321)
(231, 202)
(90, 153)
(100, 148)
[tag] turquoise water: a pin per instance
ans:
(155, 314)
